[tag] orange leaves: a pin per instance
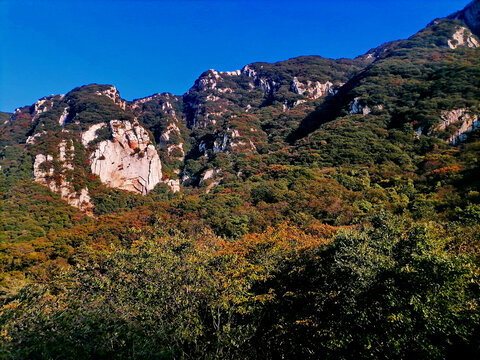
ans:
(284, 239)
(454, 169)
(397, 81)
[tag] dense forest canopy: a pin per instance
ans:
(310, 208)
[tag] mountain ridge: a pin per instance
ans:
(231, 112)
(305, 209)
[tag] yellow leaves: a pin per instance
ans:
(472, 305)
(394, 318)
(306, 322)
(11, 305)
(285, 238)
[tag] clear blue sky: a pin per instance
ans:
(146, 46)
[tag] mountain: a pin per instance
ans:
(307, 111)
(92, 132)
(321, 208)
(470, 16)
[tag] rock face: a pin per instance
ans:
(129, 161)
(230, 141)
(63, 118)
(315, 89)
(45, 174)
(113, 94)
(267, 85)
(173, 184)
(463, 38)
(357, 108)
(90, 134)
(470, 15)
(464, 117)
(43, 105)
(167, 132)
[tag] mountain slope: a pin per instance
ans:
(310, 208)
(307, 111)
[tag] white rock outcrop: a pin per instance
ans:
(463, 38)
(451, 117)
(33, 138)
(91, 133)
(267, 85)
(231, 141)
(315, 89)
(357, 108)
(113, 94)
(468, 122)
(139, 102)
(63, 117)
(129, 161)
(231, 73)
(173, 184)
(210, 174)
(39, 173)
(44, 173)
(43, 105)
(208, 80)
(172, 129)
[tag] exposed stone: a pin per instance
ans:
(172, 148)
(57, 182)
(43, 105)
(315, 89)
(357, 108)
(468, 122)
(173, 184)
(267, 85)
(63, 117)
(165, 137)
(138, 102)
(207, 81)
(41, 174)
(210, 174)
(211, 97)
(470, 15)
(451, 117)
(33, 138)
(225, 90)
(463, 38)
(419, 132)
(230, 141)
(113, 94)
(221, 145)
(231, 73)
(66, 155)
(212, 185)
(129, 161)
(202, 147)
(91, 133)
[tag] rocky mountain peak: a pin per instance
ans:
(470, 15)
(112, 93)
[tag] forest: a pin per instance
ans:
(328, 209)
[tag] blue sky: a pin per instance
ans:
(147, 46)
